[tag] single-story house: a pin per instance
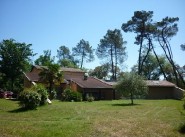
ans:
(92, 86)
(163, 90)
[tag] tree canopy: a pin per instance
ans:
(132, 85)
(44, 60)
(83, 51)
(51, 75)
(14, 60)
(112, 49)
(140, 24)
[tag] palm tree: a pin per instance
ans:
(50, 75)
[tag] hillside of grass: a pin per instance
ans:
(148, 118)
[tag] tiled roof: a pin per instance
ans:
(91, 82)
(71, 70)
(32, 76)
(62, 68)
(158, 83)
(152, 83)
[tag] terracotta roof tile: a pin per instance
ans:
(152, 83)
(71, 70)
(91, 82)
(32, 76)
(159, 83)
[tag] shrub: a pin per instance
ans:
(89, 98)
(53, 94)
(43, 92)
(29, 99)
(69, 95)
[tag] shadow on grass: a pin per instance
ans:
(182, 129)
(19, 110)
(125, 104)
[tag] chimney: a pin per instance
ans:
(85, 76)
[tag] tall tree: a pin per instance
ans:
(84, 51)
(63, 53)
(112, 48)
(166, 29)
(65, 57)
(14, 59)
(45, 59)
(51, 75)
(139, 24)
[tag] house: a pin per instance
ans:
(101, 90)
(76, 79)
(32, 77)
(163, 90)
(92, 86)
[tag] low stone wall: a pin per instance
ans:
(178, 93)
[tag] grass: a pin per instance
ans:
(147, 118)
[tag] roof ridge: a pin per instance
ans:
(101, 81)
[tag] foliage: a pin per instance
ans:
(100, 71)
(65, 58)
(83, 50)
(63, 53)
(147, 31)
(151, 69)
(140, 24)
(111, 48)
(14, 60)
(45, 59)
(29, 99)
(42, 91)
(51, 75)
(69, 95)
(89, 98)
(166, 29)
(183, 47)
(132, 85)
(68, 63)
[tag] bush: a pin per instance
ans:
(29, 99)
(43, 92)
(53, 95)
(89, 98)
(69, 95)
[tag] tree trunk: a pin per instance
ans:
(112, 63)
(116, 62)
(139, 61)
(82, 59)
(169, 58)
(161, 68)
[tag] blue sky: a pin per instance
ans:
(48, 24)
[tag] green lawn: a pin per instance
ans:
(149, 118)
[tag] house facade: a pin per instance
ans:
(101, 90)
(74, 78)
(93, 86)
